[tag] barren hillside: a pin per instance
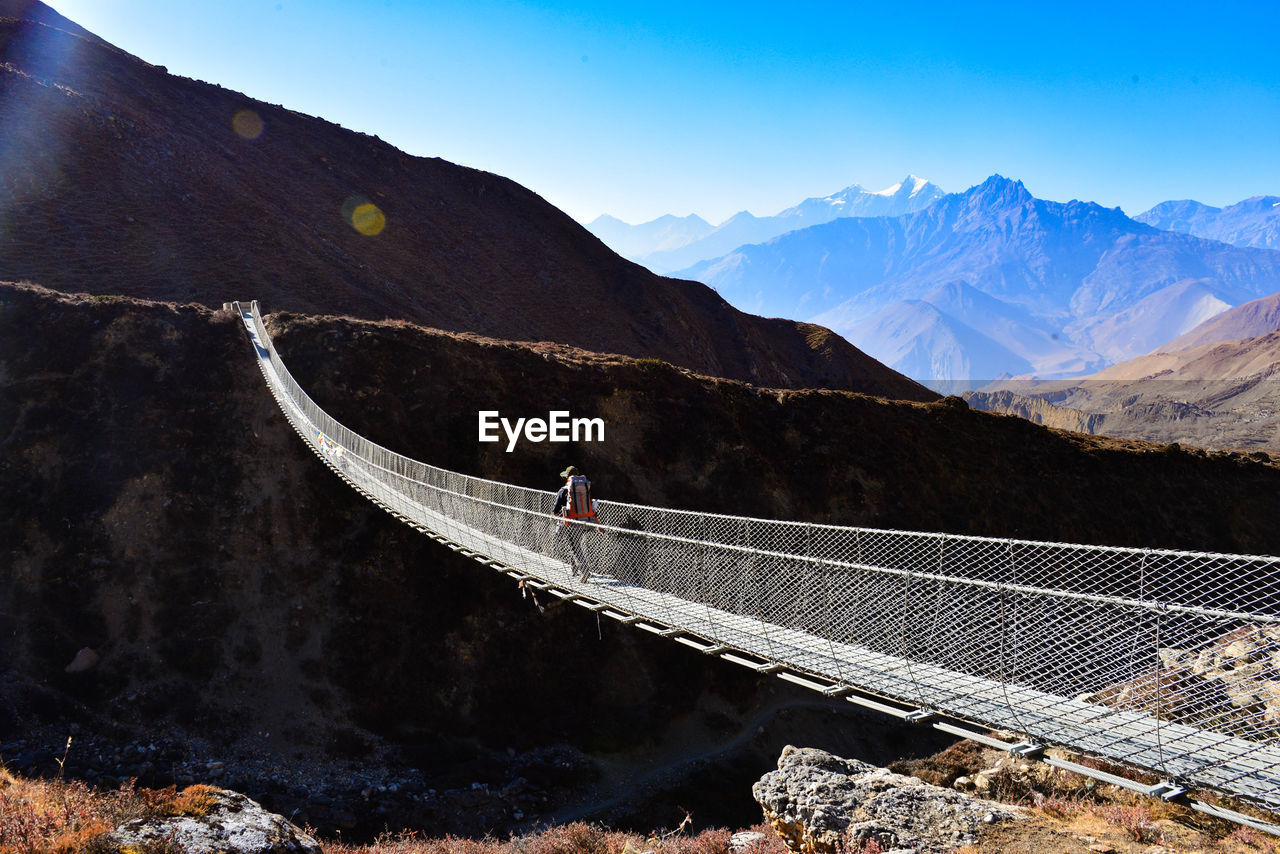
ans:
(119, 178)
(1254, 318)
(1220, 395)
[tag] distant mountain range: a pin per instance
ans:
(994, 281)
(670, 243)
(662, 234)
(1253, 222)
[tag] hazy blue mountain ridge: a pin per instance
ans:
(1064, 269)
(926, 341)
(1252, 222)
(644, 243)
(1012, 327)
(910, 194)
(995, 237)
(635, 241)
(1184, 215)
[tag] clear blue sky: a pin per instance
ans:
(657, 107)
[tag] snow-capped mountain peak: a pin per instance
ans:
(840, 197)
(912, 185)
(854, 200)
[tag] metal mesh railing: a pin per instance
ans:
(1162, 660)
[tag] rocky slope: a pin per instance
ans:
(1036, 409)
(1222, 395)
(1254, 318)
(120, 178)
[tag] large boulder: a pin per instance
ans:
(226, 823)
(822, 804)
(1237, 673)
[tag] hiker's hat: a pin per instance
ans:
(570, 470)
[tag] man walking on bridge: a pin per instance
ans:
(574, 503)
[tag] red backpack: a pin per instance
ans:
(579, 505)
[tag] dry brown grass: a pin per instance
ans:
(194, 800)
(1134, 819)
(61, 817)
(58, 817)
(1069, 806)
(1058, 806)
(1255, 840)
(575, 838)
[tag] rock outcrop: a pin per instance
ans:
(229, 823)
(1231, 680)
(1035, 409)
(821, 804)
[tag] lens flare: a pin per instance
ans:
(247, 124)
(367, 219)
(363, 215)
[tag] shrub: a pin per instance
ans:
(575, 838)
(54, 816)
(194, 800)
(706, 842)
(58, 816)
(1057, 806)
(1254, 839)
(1135, 819)
(942, 769)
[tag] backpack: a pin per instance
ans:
(579, 505)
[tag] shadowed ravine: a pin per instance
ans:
(647, 788)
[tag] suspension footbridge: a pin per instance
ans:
(1163, 662)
